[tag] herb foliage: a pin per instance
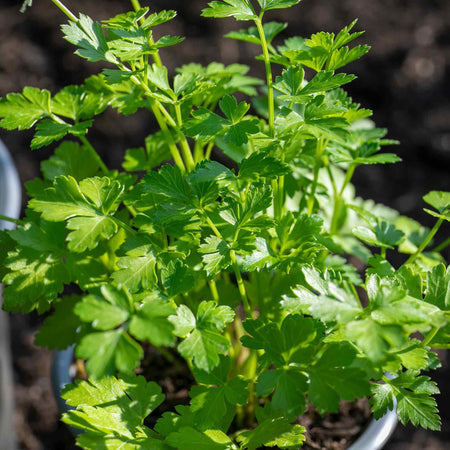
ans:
(244, 271)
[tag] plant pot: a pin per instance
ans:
(374, 437)
(10, 200)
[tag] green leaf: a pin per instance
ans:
(259, 164)
(438, 287)
(158, 76)
(283, 345)
(325, 81)
(290, 81)
(150, 322)
(332, 378)
(206, 125)
(203, 341)
(213, 406)
(414, 401)
(381, 233)
(167, 182)
(48, 131)
(239, 9)
(271, 30)
(158, 18)
(382, 400)
(273, 432)
(391, 305)
(106, 312)
(190, 439)
(277, 4)
(326, 300)
(89, 37)
(177, 278)
(373, 339)
(108, 351)
(37, 270)
(22, 111)
(232, 109)
(215, 254)
(137, 269)
(77, 104)
(343, 56)
(290, 390)
(70, 159)
(87, 206)
(441, 201)
(111, 411)
(61, 329)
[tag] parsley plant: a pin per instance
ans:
(244, 269)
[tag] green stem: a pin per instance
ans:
(172, 146)
(270, 97)
(429, 337)
(213, 227)
(442, 246)
(10, 219)
(165, 113)
(94, 154)
(214, 291)
(348, 178)
(237, 271)
(185, 149)
(65, 10)
(136, 5)
(240, 283)
(276, 199)
(209, 150)
(425, 243)
(312, 195)
(124, 226)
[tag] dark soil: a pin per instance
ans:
(405, 79)
(335, 431)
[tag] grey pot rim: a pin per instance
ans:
(10, 190)
(374, 437)
(10, 202)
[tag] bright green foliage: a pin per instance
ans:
(111, 346)
(62, 328)
(216, 396)
(276, 4)
(203, 341)
(22, 111)
(440, 201)
(292, 350)
(264, 271)
(271, 30)
(414, 402)
(36, 272)
(239, 9)
(87, 206)
(70, 159)
(115, 410)
(207, 125)
(273, 430)
(137, 266)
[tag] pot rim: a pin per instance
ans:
(10, 190)
(10, 203)
(374, 437)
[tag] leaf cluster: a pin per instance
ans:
(228, 241)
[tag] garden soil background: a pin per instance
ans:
(405, 79)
